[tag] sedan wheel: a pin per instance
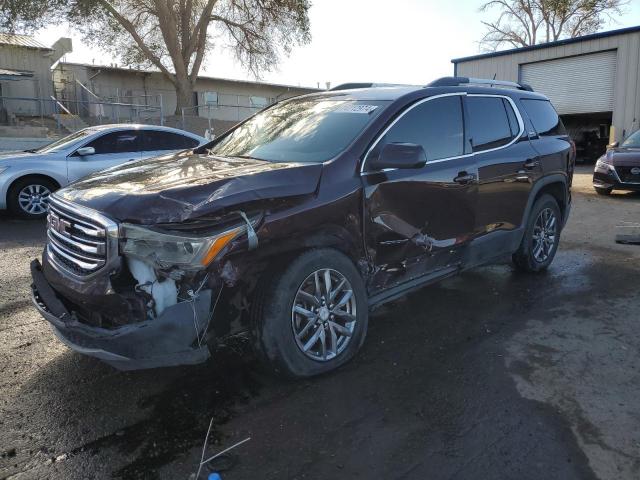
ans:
(33, 199)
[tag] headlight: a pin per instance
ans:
(165, 250)
(602, 165)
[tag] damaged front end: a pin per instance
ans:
(134, 296)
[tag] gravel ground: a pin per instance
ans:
(541, 381)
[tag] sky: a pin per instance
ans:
(397, 41)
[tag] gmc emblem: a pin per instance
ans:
(59, 225)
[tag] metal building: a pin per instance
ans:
(593, 81)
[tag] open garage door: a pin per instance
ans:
(580, 84)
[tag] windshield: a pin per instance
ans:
(64, 142)
(303, 130)
(632, 140)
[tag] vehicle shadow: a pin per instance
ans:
(431, 371)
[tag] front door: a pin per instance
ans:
(111, 149)
(418, 221)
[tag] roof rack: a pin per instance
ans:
(351, 86)
(457, 81)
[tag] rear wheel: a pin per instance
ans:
(311, 316)
(541, 237)
(29, 196)
(603, 191)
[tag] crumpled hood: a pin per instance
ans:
(173, 188)
(624, 157)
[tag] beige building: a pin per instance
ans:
(130, 93)
(593, 81)
(25, 72)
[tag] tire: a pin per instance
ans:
(275, 324)
(529, 257)
(28, 197)
(603, 191)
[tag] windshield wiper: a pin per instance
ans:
(31, 150)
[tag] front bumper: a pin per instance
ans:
(173, 338)
(610, 179)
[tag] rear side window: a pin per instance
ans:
(435, 124)
(155, 140)
(492, 122)
(117, 142)
(544, 117)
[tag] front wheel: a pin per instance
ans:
(311, 316)
(541, 237)
(29, 197)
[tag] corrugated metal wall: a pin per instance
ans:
(626, 110)
(40, 85)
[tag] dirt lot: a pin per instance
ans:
(540, 382)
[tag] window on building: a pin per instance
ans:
(489, 125)
(544, 117)
(259, 102)
(211, 98)
(436, 125)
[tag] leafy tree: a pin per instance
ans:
(175, 35)
(521, 23)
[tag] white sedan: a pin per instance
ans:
(27, 178)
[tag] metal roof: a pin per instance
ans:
(566, 41)
(200, 77)
(21, 41)
(6, 74)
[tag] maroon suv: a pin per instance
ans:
(619, 168)
(292, 225)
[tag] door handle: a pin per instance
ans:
(531, 163)
(464, 178)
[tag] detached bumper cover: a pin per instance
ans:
(169, 340)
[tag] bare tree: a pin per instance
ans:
(174, 35)
(521, 23)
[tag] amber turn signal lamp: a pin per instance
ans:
(218, 245)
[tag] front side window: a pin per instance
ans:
(300, 130)
(117, 142)
(436, 124)
(544, 117)
(490, 125)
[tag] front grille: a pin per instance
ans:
(78, 241)
(625, 175)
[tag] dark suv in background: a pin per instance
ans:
(294, 224)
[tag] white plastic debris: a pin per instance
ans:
(164, 294)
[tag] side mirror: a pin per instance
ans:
(400, 155)
(613, 145)
(84, 151)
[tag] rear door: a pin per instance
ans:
(111, 149)
(507, 163)
(158, 142)
(417, 221)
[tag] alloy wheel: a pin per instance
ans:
(323, 316)
(34, 199)
(544, 235)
